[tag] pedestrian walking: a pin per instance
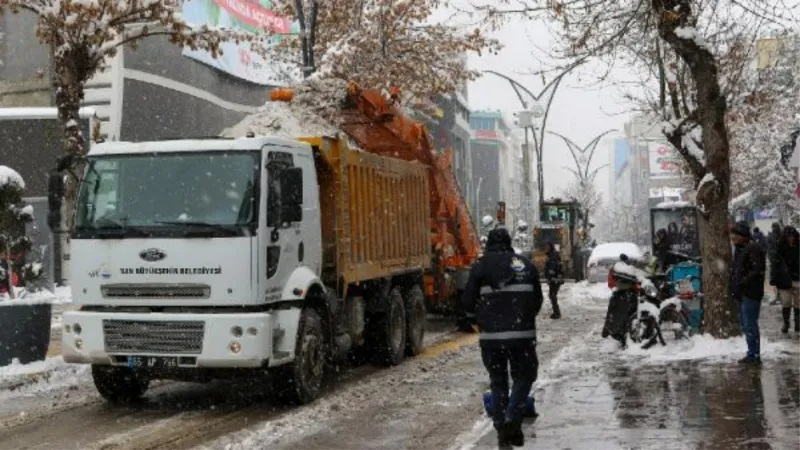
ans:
(747, 287)
(504, 296)
(554, 275)
(774, 237)
(759, 238)
(785, 276)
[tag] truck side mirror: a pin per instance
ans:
(292, 195)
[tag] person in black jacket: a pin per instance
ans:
(555, 277)
(747, 287)
(504, 295)
(773, 239)
(785, 276)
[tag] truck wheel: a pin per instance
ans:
(119, 384)
(415, 321)
(301, 380)
(390, 343)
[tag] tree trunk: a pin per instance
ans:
(69, 85)
(721, 315)
(721, 311)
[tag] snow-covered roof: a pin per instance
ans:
(612, 250)
(10, 176)
(741, 200)
(190, 145)
(40, 113)
(674, 204)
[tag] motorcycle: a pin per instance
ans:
(633, 309)
(663, 297)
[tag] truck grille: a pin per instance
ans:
(175, 291)
(138, 336)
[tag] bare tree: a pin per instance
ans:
(689, 50)
(381, 44)
(584, 192)
(82, 34)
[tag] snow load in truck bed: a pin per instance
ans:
(311, 112)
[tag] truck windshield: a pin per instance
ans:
(203, 194)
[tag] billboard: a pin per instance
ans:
(253, 16)
(621, 150)
(665, 162)
(490, 135)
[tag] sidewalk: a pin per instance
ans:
(605, 399)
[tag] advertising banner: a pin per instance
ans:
(490, 135)
(664, 161)
(253, 16)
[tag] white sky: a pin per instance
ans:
(581, 109)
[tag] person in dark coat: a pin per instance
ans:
(759, 238)
(747, 287)
(554, 275)
(504, 296)
(661, 249)
(785, 276)
(773, 239)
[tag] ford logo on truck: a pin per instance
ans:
(152, 255)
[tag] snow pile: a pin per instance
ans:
(60, 295)
(612, 251)
(703, 347)
(42, 376)
(311, 112)
(591, 295)
(10, 176)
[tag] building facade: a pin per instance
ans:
(496, 166)
(447, 120)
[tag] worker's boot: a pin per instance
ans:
(797, 320)
(556, 311)
(787, 313)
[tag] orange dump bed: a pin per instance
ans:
(374, 212)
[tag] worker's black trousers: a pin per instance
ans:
(520, 356)
(553, 295)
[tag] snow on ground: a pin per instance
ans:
(703, 347)
(590, 295)
(17, 380)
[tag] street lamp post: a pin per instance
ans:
(536, 111)
(583, 160)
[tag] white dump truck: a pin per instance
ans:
(198, 259)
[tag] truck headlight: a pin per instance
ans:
(235, 347)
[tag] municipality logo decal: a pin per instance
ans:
(517, 265)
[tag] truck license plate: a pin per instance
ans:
(152, 362)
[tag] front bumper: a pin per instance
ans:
(209, 343)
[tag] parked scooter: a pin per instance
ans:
(630, 312)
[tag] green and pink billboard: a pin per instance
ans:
(253, 16)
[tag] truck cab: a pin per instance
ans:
(171, 233)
